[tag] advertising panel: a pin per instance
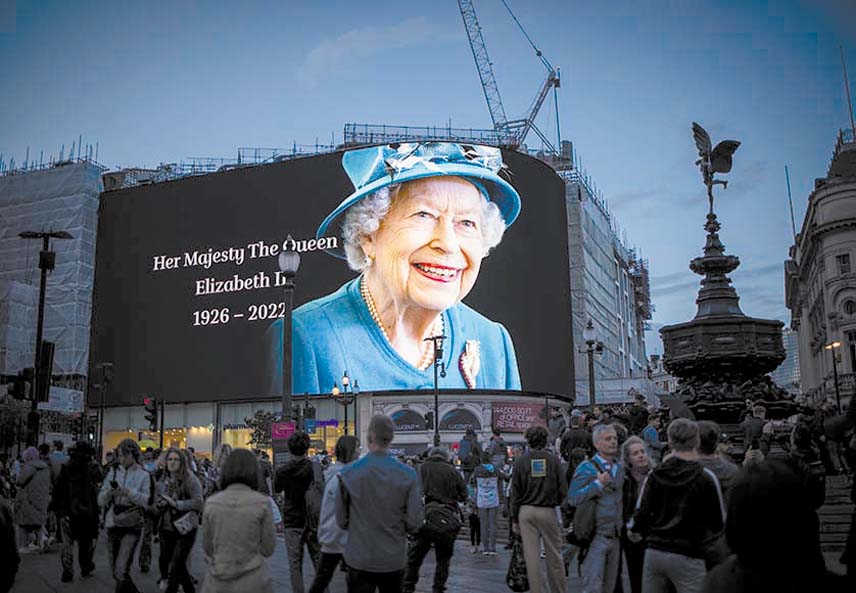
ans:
(397, 243)
(517, 417)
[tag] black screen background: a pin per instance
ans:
(142, 320)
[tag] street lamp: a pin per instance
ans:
(346, 395)
(592, 346)
(439, 367)
(831, 347)
(289, 262)
(47, 262)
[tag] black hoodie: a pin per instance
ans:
(680, 508)
(293, 479)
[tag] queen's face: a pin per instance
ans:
(429, 247)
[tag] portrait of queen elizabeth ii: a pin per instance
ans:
(420, 221)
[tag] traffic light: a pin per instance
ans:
(22, 386)
(429, 420)
(77, 427)
(151, 404)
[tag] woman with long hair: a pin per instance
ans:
(331, 537)
(179, 500)
(637, 464)
(237, 530)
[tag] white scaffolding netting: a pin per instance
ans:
(63, 198)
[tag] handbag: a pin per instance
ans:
(441, 519)
(127, 516)
(516, 578)
(186, 523)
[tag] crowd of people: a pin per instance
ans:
(633, 502)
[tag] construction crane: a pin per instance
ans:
(512, 133)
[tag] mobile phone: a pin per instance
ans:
(114, 484)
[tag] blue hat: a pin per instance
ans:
(375, 167)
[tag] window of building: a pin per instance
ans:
(849, 307)
(843, 262)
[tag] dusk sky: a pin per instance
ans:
(158, 82)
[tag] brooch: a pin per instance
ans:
(470, 362)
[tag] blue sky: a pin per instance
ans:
(156, 82)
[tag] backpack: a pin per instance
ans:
(584, 521)
(314, 497)
(441, 520)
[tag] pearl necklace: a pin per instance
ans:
(438, 329)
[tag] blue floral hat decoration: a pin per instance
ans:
(375, 167)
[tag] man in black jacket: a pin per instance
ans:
(537, 488)
(293, 479)
(680, 507)
(442, 489)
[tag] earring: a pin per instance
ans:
(368, 261)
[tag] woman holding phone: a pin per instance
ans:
(179, 500)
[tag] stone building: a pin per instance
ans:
(820, 279)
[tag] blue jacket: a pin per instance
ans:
(610, 508)
(336, 333)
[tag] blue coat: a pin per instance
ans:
(336, 333)
(609, 516)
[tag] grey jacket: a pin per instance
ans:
(34, 494)
(135, 478)
(379, 503)
(331, 537)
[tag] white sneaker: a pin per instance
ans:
(162, 585)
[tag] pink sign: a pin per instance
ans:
(517, 417)
(281, 430)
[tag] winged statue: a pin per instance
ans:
(713, 160)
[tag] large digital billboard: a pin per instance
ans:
(397, 243)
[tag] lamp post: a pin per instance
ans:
(346, 395)
(592, 346)
(289, 262)
(47, 262)
(439, 369)
(831, 347)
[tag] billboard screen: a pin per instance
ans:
(189, 295)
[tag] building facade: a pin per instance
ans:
(787, 376)
(820, 280)
(609, 286)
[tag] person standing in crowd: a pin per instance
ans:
(75, 502)
(576, 443)
(124, 494)
(57, 458)
(267, 471)
(469, 452)
(238, 533)
(498, 449)
(31, 503)
(537, 488)
(773, 536)
(679, 509)
(487, 481)
(442, 490)
(293, 479)
(8, 547)
(379, 503)
(753, 427)
(637, 466)
(638, 414)
(601, 478)
(155, 465)
(471, 512)
(179, 502)
(331, 537)
(221, 454)
(708, 456)
(651, 436)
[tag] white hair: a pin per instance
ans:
(364, 218)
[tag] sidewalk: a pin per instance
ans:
(470, 573)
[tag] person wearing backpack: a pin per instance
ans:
(294, 479)
(442, 489)
(75, 502)
(599, 481)
(487, 481)
(330, 536)
(469, 452)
